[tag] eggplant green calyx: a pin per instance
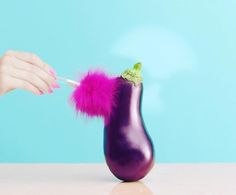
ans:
(134, 74)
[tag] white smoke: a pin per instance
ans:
(162, 53)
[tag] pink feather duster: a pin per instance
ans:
(95, 96)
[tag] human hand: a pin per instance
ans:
(25, 71)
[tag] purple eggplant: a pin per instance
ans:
(128, 148)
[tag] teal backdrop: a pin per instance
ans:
(189, 67)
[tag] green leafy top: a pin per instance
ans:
(134, 74)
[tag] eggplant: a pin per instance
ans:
(128, 149)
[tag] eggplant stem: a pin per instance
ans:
(134, 74)
(138, 66)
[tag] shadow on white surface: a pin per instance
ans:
(131, 188)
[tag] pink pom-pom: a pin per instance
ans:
(95, 96)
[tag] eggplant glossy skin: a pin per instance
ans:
(128, 148)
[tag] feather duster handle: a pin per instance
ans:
(69, 82)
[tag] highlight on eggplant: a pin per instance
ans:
(128, 148)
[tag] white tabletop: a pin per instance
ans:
(86, 179)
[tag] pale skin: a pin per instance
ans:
(23, 70)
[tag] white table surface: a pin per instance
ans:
(86, 179)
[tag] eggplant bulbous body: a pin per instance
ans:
(128, 148)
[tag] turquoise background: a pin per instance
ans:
(189, 68)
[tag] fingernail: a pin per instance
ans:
(55, 85)
(53, 73)
(50, 91)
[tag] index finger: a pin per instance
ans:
(30, 58)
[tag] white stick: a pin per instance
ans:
(69, 82)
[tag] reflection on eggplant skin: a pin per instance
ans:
(131, 188)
